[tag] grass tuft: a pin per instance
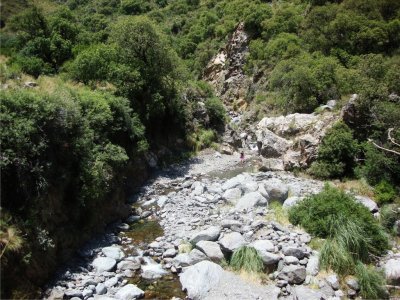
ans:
(247, 259)
(371, 282)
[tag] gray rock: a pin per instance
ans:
(111, 282)
(232, 241)
(230, 223)
(128, 265)
(291, 201)
(162, 200)
(368, 203)
(333, 281)
(276, 189)
(291, 260)
(353, 284)
(170, 253)
(56, 294)
(250, 201)
(188, 259)
(73, 293)
(113, 252)
(133, 219)
(197, 280)
(249, 187)
(232, 195)
(272, 145)
(129, 292)
(293, 274)
(211, 249)
(313, 265)
(210, 234)
(101, 289)
(392, 271)
(263, 246)
(294, 251)
(269, 259)
(236, 181)
(103, 297)
(102, 264)
(326, 289)
(302, 292)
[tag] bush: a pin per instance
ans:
(371, 282)
(246, 258)
(384, 192)
(336, 153)
(389, 214)
(319, 215)
(216, 112)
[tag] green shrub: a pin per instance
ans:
(336, 153)
(216, 112)
(319, 215)
(378, 165)
(372, 282)
(389, 214)
(246, 258)
(384, 192)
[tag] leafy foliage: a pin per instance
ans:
(321, 215)
(336, 153)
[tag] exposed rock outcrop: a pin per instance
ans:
(225, 71)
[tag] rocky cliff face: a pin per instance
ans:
(225, 71)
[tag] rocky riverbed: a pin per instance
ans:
(185, 224)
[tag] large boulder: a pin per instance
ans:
(392, 271)
(232, 241)
(276, 189)
(102, 264)
(129, 292)
(293, 274)
(113, 252)
(198, 279)
(368, 203)
(236, 181)
(232, 195)
(250, 201)
(272, 145)
(210, 234)
(211, 249)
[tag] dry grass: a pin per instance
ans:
(277, 213)
(360, 187)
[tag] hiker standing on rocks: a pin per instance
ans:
(242, 157)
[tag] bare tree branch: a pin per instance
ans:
(392, 139)
(382, 148)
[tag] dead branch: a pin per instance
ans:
(392, 139)
(382, 148)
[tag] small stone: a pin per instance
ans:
(101, 289)
(333, 281)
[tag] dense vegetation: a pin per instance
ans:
(119, 79)
(353, 236)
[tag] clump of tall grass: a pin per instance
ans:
(246, 258)
(371, 282)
